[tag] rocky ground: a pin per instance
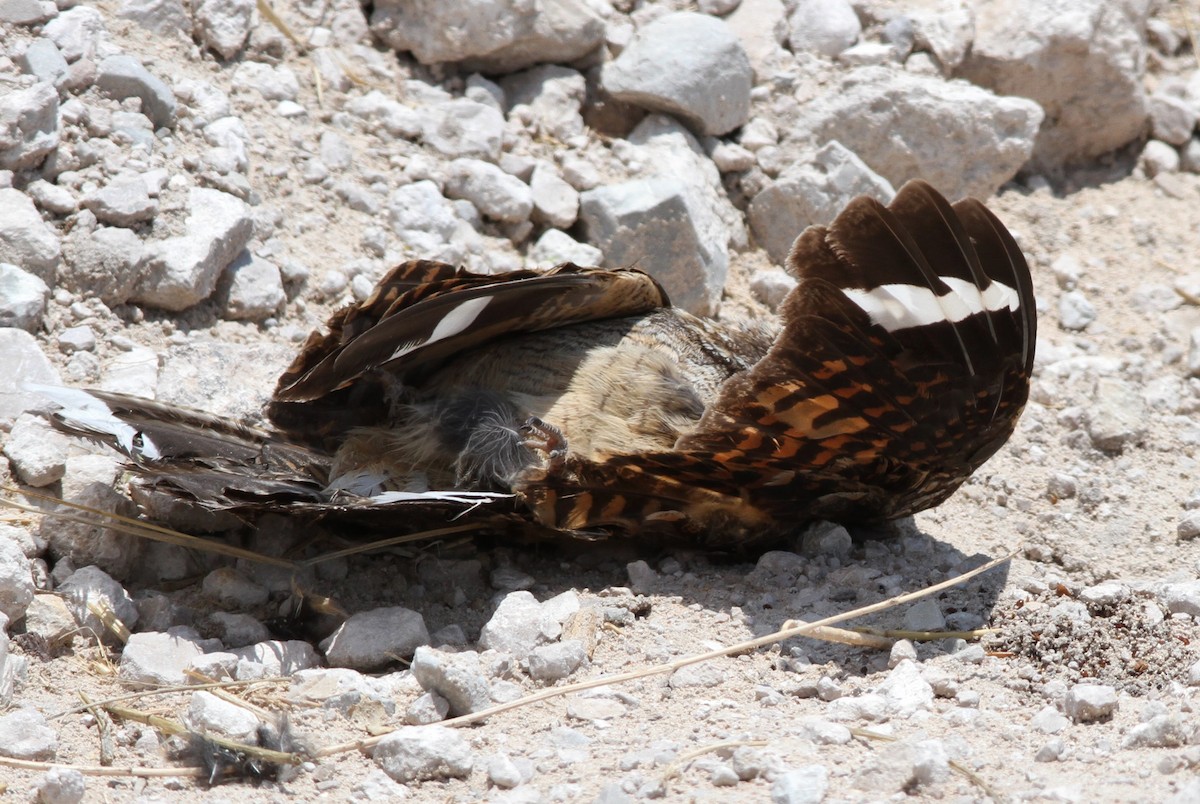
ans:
(186, 190)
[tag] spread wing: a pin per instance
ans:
(424, 312)
(225, 466)
(903, 365)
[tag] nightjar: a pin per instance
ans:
(579, 401)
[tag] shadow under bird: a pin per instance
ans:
(579, 401)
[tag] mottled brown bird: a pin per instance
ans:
(579, 401)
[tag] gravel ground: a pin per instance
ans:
(187, 191)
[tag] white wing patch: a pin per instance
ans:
(85, 412)
(451, 324)
(896, 307)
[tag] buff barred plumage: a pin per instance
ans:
(580, 401)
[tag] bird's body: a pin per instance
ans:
(901, 363)
(618, 386)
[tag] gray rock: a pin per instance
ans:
(377, 786)
(22, 12)
(924, 615)
(704, 676)
(16, 581)
(373, 639)
(897, 124)
(123, 77)
(37, 451)
(1108, 593)
(194, 375)
(396, 118)
(1182, 598)
(1088, 703)
(496, 194)
(483, 90)
(22, 298)
(342, 689)
(89, 588)
(223, 25)
(811, 191)
(426, 709)
(650, 223)
(105, 263)
(122, 202)
(1172, 119)
(1117, 418)
(1160, 731)
(136, 127)
(759, 133)
(24, 363)
(1096, 54)
(274, 83)
(580, 173)
(555, 247)
(417, 753)
(51, 197)
(555, 202)
(944, 28)
(334, 151)
(159, 659)
(1075, 312)
(771, 286)
(13, 669)
(43, 61)
(360, 198)
(1049, 721)
(824, 27)
(867, 53)
(29, 126)
(25, 239)
(212, 715)
(61, 786)
(229, 136)
(1189, 526)
(424, 219)
(464, 128)
(182, 271)
(901, 651)
(278, 657)
(132, 372)
(931, 763)
(905, 691)
(503, 772)
(643, 580)
(689, 65)
(251, 289)
(25, 734)
(206, 102)
(235, 629)
(518, 625)
(554, 662)
(91, 480)
(1158, 157)
(804, 785)
(232, 589)
(77, 32)
(761, 26)
(731, 158)
(827, 539)
(1189, 157)
(489, 36)
(165, 17)
(554, 96)
(457, 677)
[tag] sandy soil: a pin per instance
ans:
(768, 710)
